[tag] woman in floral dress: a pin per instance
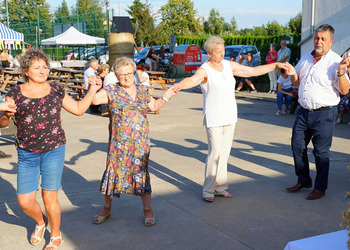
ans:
(129, 142)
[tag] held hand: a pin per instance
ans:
(345, 63)
(8, 106)
(95, 83)
(290, 70)
(177, 87)
(171, 92)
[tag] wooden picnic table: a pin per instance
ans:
(9, 77)
(78, 85)
(66, 75)
(157, 77)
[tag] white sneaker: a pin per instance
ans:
(338, 121)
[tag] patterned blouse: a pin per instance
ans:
(38, 120)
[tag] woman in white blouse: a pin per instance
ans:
(220, 110)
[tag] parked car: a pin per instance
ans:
(96, 52)
(237, 50)
(141, 57)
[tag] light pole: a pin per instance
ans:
(107, 13)
(7, 14)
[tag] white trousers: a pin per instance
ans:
(219, 148)
(273, 79)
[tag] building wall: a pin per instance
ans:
(333, 12)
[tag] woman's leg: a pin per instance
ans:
(250, 84)
(240, 86)
(289, 100)
(279, 100)
(147, 208)
(31, 207)
(107, 206)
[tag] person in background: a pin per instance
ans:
(141, 77)
(343, 105)
(271, 58)
(5, 59)
(285, 93)
(92, 70)
(152, 59)
(129, 142)
(216, 79)
(110, 78)
(247, 80)
(102, 72)
(321, 76)
(41, 141)
(162, 53)
(233, 58)
(283, 55)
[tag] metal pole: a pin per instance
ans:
(78, 16)
(7, 14)
(37, 12)
(107, 13)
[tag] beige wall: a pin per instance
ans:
(333, 12)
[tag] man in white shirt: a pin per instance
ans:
(90, 71)
(320, 76)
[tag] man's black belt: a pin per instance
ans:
(320, 109)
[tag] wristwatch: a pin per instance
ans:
(165, 99)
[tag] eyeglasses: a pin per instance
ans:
(126, 75)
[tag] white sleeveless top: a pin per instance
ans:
(219, 102)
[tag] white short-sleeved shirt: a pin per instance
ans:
(89, 72)
(219, 102)
(286, 83)
(318, 82)
(144, 74)
(110, 78)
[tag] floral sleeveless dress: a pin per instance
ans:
(129, 143)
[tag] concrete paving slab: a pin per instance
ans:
(261, 215)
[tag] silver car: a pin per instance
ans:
(237, 50)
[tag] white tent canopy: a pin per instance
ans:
(9, 34)
(73, 37)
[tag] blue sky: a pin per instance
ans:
(248, 13)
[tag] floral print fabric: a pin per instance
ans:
(38, 120)
(129, 143)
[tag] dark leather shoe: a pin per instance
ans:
(316, 194)
(297, 187)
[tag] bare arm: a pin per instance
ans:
(198, 77)
(283, 92)
(5, 117)
(79, 108)
(155, 105)
(294, 76)
(343, 82)
(246, 71)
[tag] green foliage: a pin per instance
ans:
(142, 14)
(25, 11)
(215, 24)
(179, 17)
(62, 10)
(295, 23)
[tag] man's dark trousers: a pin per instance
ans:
(316, 126)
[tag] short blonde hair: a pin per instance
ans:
(211, 42)
(102, 68)
(123, 61)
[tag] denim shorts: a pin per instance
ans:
(31, 165)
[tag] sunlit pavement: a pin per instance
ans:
(261, 215)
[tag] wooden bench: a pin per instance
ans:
(78, 85)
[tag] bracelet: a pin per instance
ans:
(340, 74)
(165, 99)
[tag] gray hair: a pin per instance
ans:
(325, 28)
(92, 61)
(31, 56)
(211, 42)
(273, 45)
(123, 61)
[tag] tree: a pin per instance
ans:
(142, 14)
(62, 10)
(22, 11)
(179, 17)
(215, 24)
(90, 12)
(295, 23)
(274, 28)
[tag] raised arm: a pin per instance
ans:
(199, 77)
(294, 76)
(343, 80)
(80, 107)
(5, 117)
(246, 71)
(155, 105)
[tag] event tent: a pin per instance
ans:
(72, 37)
(8, 34)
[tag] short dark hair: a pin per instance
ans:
(29, 57)
(325, 28)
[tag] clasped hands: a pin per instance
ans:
(95, 83)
